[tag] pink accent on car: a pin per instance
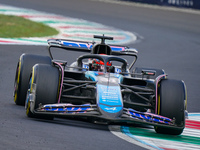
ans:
(157, 80)
(61, 84)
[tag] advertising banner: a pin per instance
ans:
(177, 3)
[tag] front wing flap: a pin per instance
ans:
(129, 115)
(67, 109)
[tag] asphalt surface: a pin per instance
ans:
(167, 40)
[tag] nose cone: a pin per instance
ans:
(109, 100)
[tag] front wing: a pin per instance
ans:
(129, 115)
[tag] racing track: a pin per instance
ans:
(168, 40)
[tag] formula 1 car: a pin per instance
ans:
(100, 85)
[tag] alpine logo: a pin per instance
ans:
(112, 108)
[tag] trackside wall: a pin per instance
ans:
(195, 4)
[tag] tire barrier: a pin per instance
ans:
(195, 4)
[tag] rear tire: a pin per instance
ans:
(46, 80)
(23, 71)
(171, 96)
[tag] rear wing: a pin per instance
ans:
(82, 46)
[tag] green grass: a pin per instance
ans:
(16, 27)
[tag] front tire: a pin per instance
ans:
(23, 71)
(171, 104)
(44, 85)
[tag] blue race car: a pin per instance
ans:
(99, 85)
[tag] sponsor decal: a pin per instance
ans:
(109, 98)
(110, 109)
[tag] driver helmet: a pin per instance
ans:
(98, 65)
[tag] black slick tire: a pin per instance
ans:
(23, 71)
(46, 80)
(171, 96)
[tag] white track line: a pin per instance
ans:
(157, 142)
